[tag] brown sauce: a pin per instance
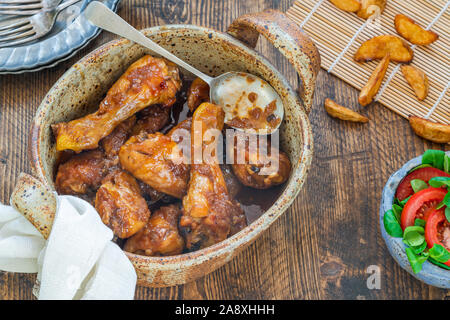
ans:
(252, 96)
(257, 118)
(180, 110)
(255, 201)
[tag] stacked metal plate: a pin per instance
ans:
(71, 33)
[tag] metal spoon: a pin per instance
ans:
(243, 96)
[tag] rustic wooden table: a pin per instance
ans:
(322, 246)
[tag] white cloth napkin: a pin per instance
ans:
(78, 261)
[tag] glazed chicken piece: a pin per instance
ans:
(111, 144)
(259, 169)
(209, 214)
(146, 82)
(152, 119)
(157, 161)
(81, 174)
(160, 235)
(197, 94)
(120, 204)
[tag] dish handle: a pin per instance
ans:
(36, 202)
(288, 38)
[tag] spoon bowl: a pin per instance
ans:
(250, 103)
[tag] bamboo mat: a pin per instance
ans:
(333, 31)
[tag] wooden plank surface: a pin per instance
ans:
(321, 247)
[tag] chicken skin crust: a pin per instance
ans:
(209, 214)
(197, 94)
(260, 165)
(160, 236)
(157, 161)
(81, 174)
(146, 82)
(120, 204)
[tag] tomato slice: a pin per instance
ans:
(433, 229)
(404, 189)
(419, 205)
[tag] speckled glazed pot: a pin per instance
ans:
(430, 274)
(81, 88)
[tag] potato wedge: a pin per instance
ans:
(373, 84)
(433, 131)
(337, 111)
(377, 48)
(369, 7)
(411, 31)
(347, 5)
(417, 79)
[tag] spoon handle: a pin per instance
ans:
(101, 16)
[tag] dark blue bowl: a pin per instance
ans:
(430, 274)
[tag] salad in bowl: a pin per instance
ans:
(415, 217)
